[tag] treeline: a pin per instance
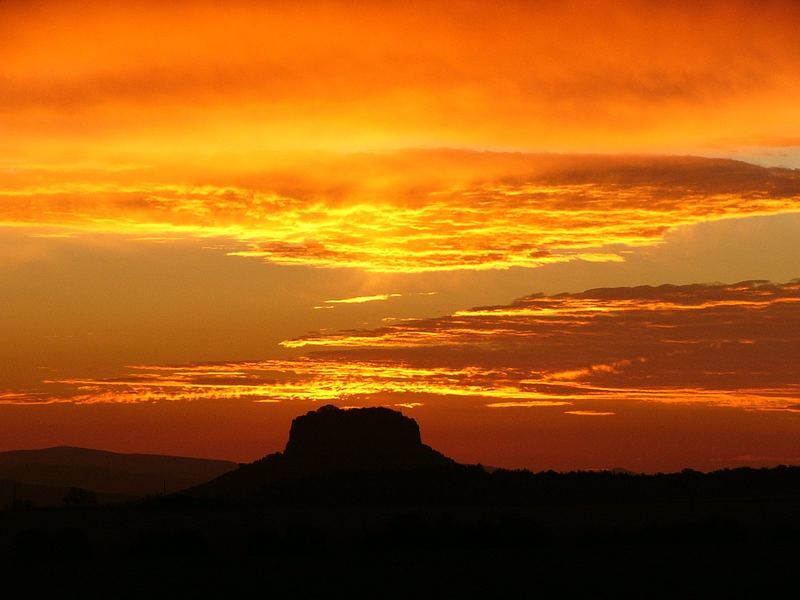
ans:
(472, 485)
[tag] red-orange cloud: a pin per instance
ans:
(719, 345)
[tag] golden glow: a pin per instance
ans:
(279, 129)
(305, 379)
(408, 212)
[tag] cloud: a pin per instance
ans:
(732, 345)
(409, 212)
(363, 299)
(528, 404)
(29, 398)
(735, 346)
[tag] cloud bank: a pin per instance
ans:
(591, 353)
(407, 212)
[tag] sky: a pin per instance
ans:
(558, 234)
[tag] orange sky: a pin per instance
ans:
(152, 80)
(242, 208)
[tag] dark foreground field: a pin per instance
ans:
(357, 502)
(460, 530)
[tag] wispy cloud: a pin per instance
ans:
(363, 299)
(528, 404)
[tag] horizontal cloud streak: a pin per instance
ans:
(363, 299)
(411, 211)
(718, 345)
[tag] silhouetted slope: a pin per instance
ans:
(331, 440)
(108, 472)
(358, 486)
(374, 457)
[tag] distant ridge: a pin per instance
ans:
(108, 472)
(333, 440)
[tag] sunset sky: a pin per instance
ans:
(558, 234)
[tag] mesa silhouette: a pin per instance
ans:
(359, 485)
(375, 457)
(330, 442)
